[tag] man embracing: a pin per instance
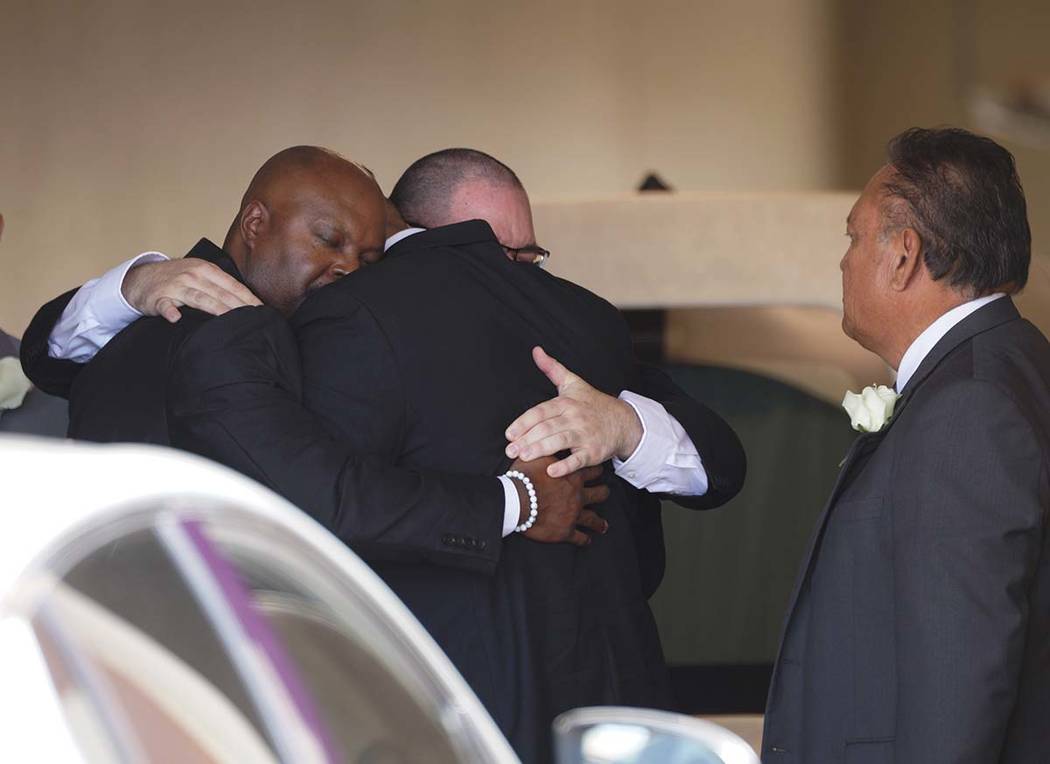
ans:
(919, 628)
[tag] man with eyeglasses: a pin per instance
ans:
(422, 361)
(442, 188)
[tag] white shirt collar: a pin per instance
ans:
(404, 233)
(925, 342)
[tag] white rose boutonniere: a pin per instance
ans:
(13, 383)
(870, 410)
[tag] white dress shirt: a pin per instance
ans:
(665, 460)
(402, 234)
(96, 314)
(934, 333)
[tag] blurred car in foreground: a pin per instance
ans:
(157, 607)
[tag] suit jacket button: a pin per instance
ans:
(448, 540)
(482, 544)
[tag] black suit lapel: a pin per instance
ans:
(207, 250)
(859, 451)
(856, 457)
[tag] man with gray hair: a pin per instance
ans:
(454, 185)
(422, 361)
(919, 628)
(307, 217)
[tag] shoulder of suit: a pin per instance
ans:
(248, 319)
(976, 387)
(994, 355)
(340, 298)
(413, 273)
(960, 404)
(156, 331)
(151, 336)
(1011, 353)
(582, 292)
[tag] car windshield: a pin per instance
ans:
(229, 641)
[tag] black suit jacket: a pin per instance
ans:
(330, 480)
(919, 630)
(99, 409)
(51, 375)
(121, 396)
(422, 361)
(435, 362)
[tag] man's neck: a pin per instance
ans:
(234, 246)
(394, 222)
(913, 322)
(926, 340)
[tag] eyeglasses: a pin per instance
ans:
(528, 254)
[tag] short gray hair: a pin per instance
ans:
(423, 193)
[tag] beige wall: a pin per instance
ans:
(904, 63)
(129, 125)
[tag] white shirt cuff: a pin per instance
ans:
(665, 460)
(511, 506)
(96, 314)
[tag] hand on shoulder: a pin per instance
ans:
(161, 288)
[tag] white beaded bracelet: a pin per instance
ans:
(533, 504)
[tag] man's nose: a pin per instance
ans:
(343, 266)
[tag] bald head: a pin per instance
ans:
(302, 161)
(308, 217)
(455, 185)
(425, 192)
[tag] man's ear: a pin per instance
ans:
(907, 258)
(255, 218)
(394, 221)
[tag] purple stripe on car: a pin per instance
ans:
(256, 625)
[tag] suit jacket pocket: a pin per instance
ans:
(870, 752)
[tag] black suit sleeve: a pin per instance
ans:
(51, 375)
(969, 514)
(235, 396)
(718, 445)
